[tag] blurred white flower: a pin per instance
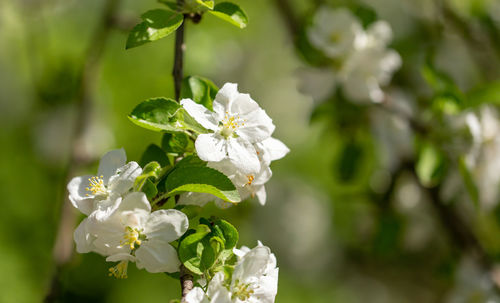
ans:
(334, 31)
(115, 177)
(128, 231)
(255, 279)
(236, 123)
(483, 158)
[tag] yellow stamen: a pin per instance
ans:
(96, 186)
(241, 291)
(119, 271)
(250, 179)
(132, 237)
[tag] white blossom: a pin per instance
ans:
(128, 231)
(115, 177)
(334, 31)
(236, 123)
(254, 280)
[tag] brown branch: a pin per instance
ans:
(63, 248)
(187, 283)
(179, 49)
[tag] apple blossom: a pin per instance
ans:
(115, 177)
(236, 123)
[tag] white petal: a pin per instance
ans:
(78, 194)
(124, 178)
(243, 105)
(243, 155)
(83, 239)
(380, 31)
(224, 98)
(196, 295)
(157, 256)
(110, 162)
(261, 194)
(274, 148)
(223, 204)
(253, 264)
(166, 225)
(258, 126)
(201, 114)
(120, 257)
(191, 198)
(133, 201)
(210, 147)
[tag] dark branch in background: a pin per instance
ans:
(63, 248)
(455, 226)
(185, 276)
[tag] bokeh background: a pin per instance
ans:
(339, 233)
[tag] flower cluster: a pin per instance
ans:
(120, 224)
(361, 60)
(254, 279)
(238, 143)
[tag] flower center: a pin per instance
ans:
(133, 238)
(230, 124)
(97, 187)
(119, 271)
(241, 291)
(250, 179)
(335, 37)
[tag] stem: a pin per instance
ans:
(63, 247)
(180, 47)
(186, 278)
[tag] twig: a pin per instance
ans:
(186, 282)
(180, 47)
(63, 248)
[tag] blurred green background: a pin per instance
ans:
(335, 237)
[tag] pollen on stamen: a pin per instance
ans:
(119, 271)
(97, 186)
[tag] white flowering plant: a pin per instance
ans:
(217, 145)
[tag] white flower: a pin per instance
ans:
(128, 231)
(334, 31)
(115, 177)
(483, 159)
(370, 66)
(236, 123)
(271, 149)
(254, 280)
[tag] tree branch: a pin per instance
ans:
(63, 248)
(180, 47)
(187, 283)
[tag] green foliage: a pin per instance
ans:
(469, 181)
(156, 24)
(231, 13)
(154, 153)
(349, 161)
(430, 164)
(151, 171)
(157, 114)
(200, 90)
(176, 143)
(191, 211)
(200, 179)
(200, 248)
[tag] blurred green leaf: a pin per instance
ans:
(156, 24)
(154, 153)
(349, 161)
(172, 5)
(469, 182)
(157, 114)
(200, 90)
(430, 165)
(206, 3)
(201, 180)
(485, 93)
(151, 171)
(231, 13)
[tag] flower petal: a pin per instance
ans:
(166, 225)
(196, 295)
(224, 98)
(124, 178)
(120, 257)
(201, 114)
(78, 194)
(243, 105)
(253, 264)
(243, 155)
(272, 149)
(157, 256)
(83, 239)
(110, 162)
(260, 192)
(133, 201)
(191, 198)
(211, 147)
(258, 126)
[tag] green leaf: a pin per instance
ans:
(231, 13)
(171, 5)
(350, 161)
(177, 143)
(191, 248)
(486, 93)
(191, 211)
(206, 3)
(149, 188)
(157, 114)
(200, 90)
(191, 160)
(201, 180)
(156, 24)
(230, 233)
(154, 153)
(189, 123)
(152, 170)
(469, 181)
(430, 165)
